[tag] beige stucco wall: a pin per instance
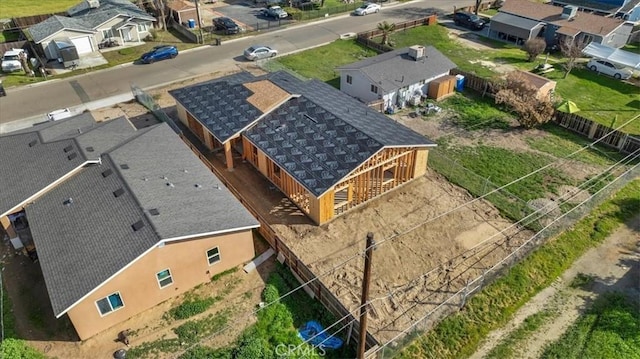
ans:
(139, 288)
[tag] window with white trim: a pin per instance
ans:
(107, 33)
(109, 303)
(164, 278)
(374, 88)
(143, 27)
(349, 79)
(213, 255)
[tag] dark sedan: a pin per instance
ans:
(226, 25)
(158, 53)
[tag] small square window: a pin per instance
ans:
(164, 278)
(374, 88)
(349, 79)
(110, 303)
(213, 255)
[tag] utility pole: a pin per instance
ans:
(199, 20)
(364, 305)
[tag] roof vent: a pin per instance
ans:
(72, 156)
(165, 178)
(67, 202)
(145, 179)
(569, 12)
(218, 186)
(185, 170)
(33, 143)
(154, 212)
(107, 173)
(68, 148)
(169, 184)
(124, 166)
(197, 185)
(137, 226)
(89, 149)
(416, 52)
(93, 4)
(119, 192)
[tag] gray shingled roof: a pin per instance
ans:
(312, 144)
(374, 124)
(55, 24)
(595, 5)
(48, 161)
(107, 10)
(396, 69)
(83, 244)
(220, 106)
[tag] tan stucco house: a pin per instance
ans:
(324, 150)
(125, 220)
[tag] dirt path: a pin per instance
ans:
(614, 266)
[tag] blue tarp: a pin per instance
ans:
(309, 333)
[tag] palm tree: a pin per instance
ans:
(386, 29)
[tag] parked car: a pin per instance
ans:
(276, 12)
(11, 60)
(468, 20)
(367, 8)
(609, 68)
(226, 25)
(158, 53)
(259, 52)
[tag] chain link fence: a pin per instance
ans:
(147, 101)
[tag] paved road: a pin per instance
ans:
(36, 100)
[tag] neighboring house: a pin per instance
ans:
(626, 9)
(182, 11)
(91, 22)
(520, 20)
(394, 76)
(323, 149)
(121, 226)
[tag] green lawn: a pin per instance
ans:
(17, 8)
(599, 97)
(635, 48)
(131, 54)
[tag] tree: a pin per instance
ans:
(534, 47)
(478, 2)
(572, 52)
(386, 29)
(522, 97)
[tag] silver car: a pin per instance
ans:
(609, 68)
(259, 52)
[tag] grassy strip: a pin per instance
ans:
(459, 335)
(225, 273)
(508, 348)
(9, 320)
(18, 349)
(609, 329)
(18, 8)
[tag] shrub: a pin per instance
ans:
(153, 35)
(295, 13)
(534, 47)
(270, 293)
(16, 348)
(191, 307)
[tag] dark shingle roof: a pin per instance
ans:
(312, 144)
(374, 124)
(107, 10)
(55, 24)
(220, 106)
(83, 244)
(396, 69)
(606, 6)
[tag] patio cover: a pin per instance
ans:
(611, 54)
(514, 25)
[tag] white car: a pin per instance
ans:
(259, 52)
(59, 114)
(609, 68)
(11, 60)
(367, 8)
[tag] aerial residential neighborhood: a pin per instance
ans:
(308, 179)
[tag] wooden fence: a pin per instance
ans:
(619, 140)
(6, 46)
(316, 289)
(366, 36)
(26, 21)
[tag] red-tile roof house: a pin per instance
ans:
(521, 20)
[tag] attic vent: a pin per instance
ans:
(119, 192)
(89, 149)
(197, 185)
(33, 143)
(72, 156)
(169, 184)
(569, 12)
(68, 148)
(68, 201)
(124, 166)
(137, 226)
(310, 118)
(154, 212)
(107, 173)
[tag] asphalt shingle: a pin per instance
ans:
(55, 24)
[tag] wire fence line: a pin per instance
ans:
(458, 299)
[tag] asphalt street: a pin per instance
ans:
(38, 99)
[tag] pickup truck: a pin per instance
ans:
(276, 12)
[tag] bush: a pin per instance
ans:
(295, 13)
(16, 348)
(153, 35)
(191, 307)
(270, 294)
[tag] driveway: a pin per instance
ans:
(247, 15)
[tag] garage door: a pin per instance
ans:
(83, 44)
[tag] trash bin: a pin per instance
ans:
(192, 23)
(2, 91)
(459, 83)
(217, 41)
